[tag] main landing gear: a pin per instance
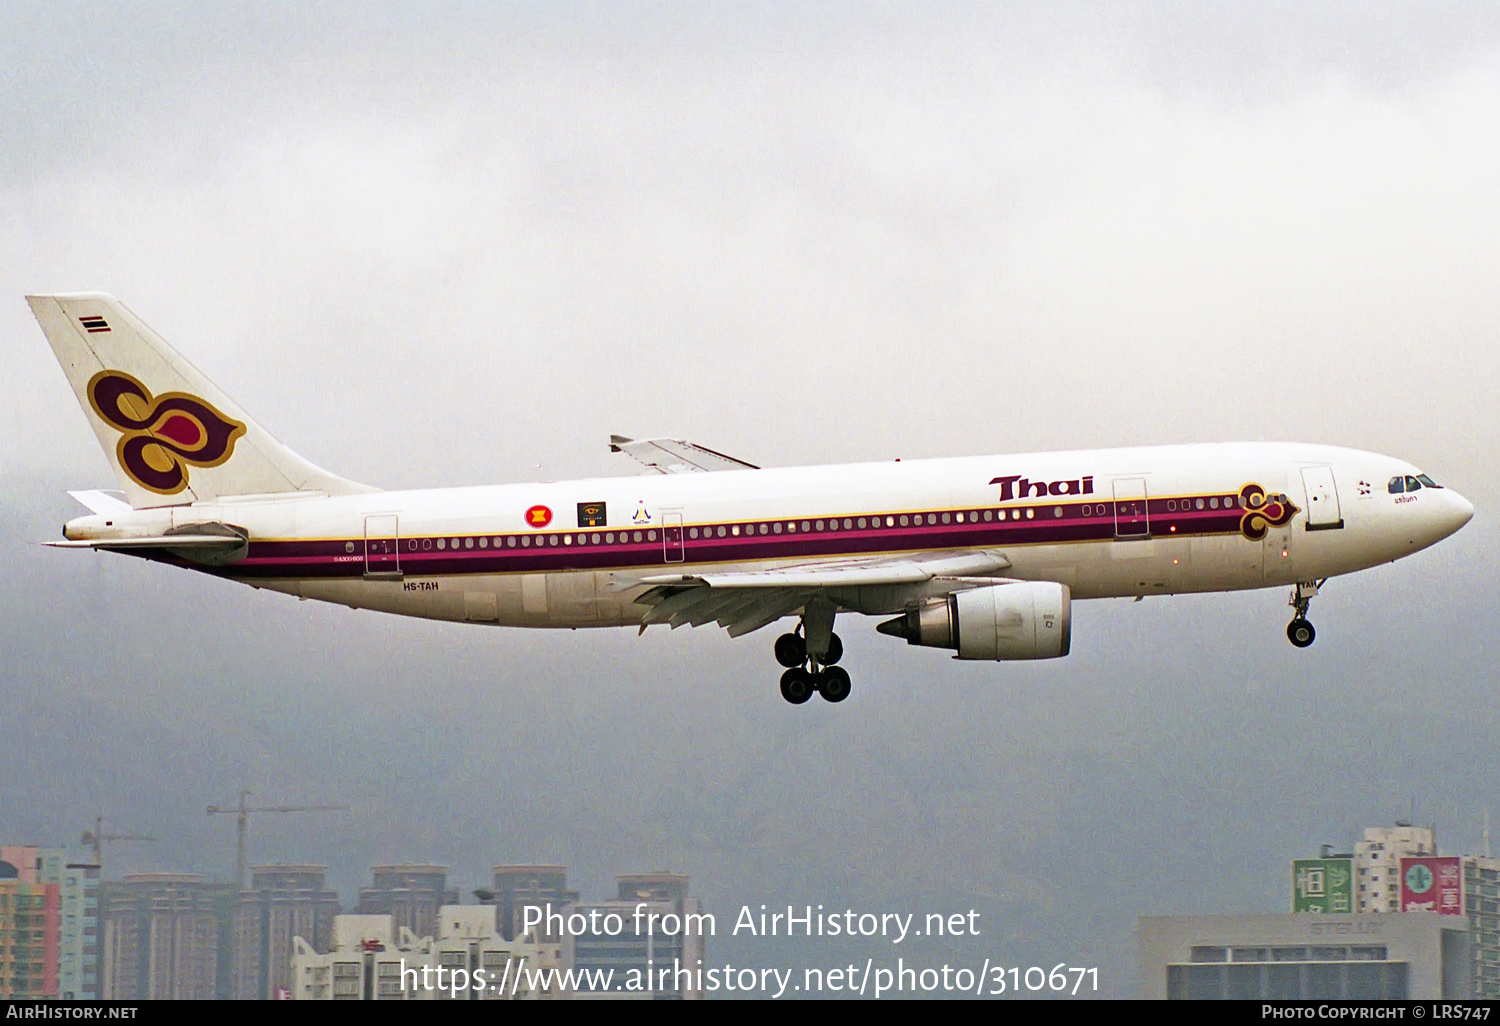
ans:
(809, 656)
(1300, 631)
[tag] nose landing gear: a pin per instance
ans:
(809, 656)
(1300, 631)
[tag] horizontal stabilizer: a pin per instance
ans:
(212, 544)
(104, 503)
(175, 541)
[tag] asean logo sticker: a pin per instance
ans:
(538, 516)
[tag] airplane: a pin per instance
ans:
(981, 555)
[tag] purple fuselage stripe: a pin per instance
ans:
(332, 558)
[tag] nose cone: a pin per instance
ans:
(1459, 511)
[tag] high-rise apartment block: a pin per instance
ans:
(282, 903)
(76, 954)
(1482, 907)
(519, 886)
(1377, 864)
(163, 937)
(659, 943)
(374, 959)
(29, 927)
(411, 895)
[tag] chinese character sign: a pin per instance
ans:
(1323, 885)
(1432, 883)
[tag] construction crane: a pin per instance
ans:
(242, 813)
(96, 837)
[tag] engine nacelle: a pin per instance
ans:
(1030, 620)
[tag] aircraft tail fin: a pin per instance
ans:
(170, 434)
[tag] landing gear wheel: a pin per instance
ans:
(791, 651)
(835, 684)
(796, 685)
(835, 651)
(1300, 632)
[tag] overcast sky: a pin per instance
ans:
(464, 243)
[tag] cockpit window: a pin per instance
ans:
(1412, 484)
(1396, 486)
(1429, 482)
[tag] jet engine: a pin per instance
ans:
(1025, 620)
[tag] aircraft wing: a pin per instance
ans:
(675, 456)
(746, 601)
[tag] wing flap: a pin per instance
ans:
(836, 575)
(745, 601)
(675, 456)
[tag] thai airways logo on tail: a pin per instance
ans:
(162, 435)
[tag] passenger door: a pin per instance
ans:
(1132, 520)
(1323, 512)
(382, 546)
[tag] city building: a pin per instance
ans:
(519, 886)
(163, 938)
(1309, 956)
(1481, 876)
(78, 922)
(374, 959)
(410, 895)
(29, 928)
(1378, 876)
(282, 903)
(1377, 864)
(650, 934)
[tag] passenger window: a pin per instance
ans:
(1413, 485)
(1396, 486)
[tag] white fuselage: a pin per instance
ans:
(1106, 523)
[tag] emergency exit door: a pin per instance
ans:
(673, 549)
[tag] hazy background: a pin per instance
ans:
(453, 244)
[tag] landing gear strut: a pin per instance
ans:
(810, 656)
(1300, 631)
